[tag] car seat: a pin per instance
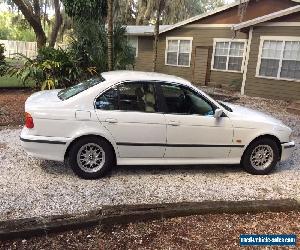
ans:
(149, 98)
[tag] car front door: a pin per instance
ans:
(192, 130)
(129, 111)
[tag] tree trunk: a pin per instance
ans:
(110, 34)
(57, 24)
(32, 15)
(156, 35)
(41, 40)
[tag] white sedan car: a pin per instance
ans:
(138, 118)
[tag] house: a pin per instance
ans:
(141, 39)
(260, 52)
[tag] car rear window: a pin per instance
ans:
(76, 89)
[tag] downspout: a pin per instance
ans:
(247, 61)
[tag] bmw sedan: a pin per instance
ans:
(139, 118)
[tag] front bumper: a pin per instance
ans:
(287, 149)
(43, 147)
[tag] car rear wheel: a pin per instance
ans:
(261, 157)
(91, 157)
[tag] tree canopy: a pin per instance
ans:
(142, 12)
(35, 13)
(86, 9)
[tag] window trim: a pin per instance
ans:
(190, 39)
(283, 39)
(228, 40)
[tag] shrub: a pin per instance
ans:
(124, 54)
(52, 68)
(58, 66)
(86, 57)
(3, 64)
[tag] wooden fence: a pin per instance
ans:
(28, 49)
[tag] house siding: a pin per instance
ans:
(254, 9)
(200, 70)
(144, 60)
(201, 37)
(255, 86)
(226, 78)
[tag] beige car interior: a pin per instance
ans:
(146, 98)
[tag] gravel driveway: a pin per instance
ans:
(31, 187)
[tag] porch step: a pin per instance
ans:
(294, 107)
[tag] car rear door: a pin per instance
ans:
(129, 111)
(192, 130)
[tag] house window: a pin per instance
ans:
(279, 58)
(178, 51)
(228, 55)
(134, 43)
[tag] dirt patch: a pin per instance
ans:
(195, 232)
(12, 106)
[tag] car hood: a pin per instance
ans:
(248, 114)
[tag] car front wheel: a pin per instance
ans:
(261, 157)
(91, 157)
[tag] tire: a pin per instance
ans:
(85, 155)
(258, 152)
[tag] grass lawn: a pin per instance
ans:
(12, 82)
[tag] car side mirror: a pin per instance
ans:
(218, 113)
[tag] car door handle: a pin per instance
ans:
(111, 120)
(174, 123)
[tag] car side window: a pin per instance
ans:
(108, 100)
(183, 100)
(130, 96)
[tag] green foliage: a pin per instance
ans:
(2, 49)
(52, 68)
(124, 54)
(14, 27)
(89, 47)
(27, 71)
(3, 64)
(86, 9)
(4, 33)
(86, 56)
(58, 66)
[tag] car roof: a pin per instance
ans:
(130, 75)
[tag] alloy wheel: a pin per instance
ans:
(91, 158)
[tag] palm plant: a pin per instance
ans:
(52, 68)
(89, 47)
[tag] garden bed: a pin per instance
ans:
(12, 106)
(216, 231)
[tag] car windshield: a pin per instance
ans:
(74, 90)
